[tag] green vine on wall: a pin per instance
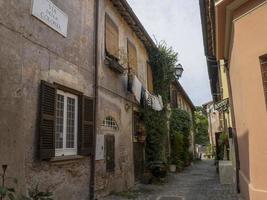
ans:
(180, 127)
(162, 60)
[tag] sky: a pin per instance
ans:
(177, 22)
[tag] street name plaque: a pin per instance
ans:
(50, 14)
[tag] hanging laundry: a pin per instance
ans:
(136, 88)
(143, 100)
(160, 101)
(143, 96)
(148, 98)
(156, 105)
(155, 102)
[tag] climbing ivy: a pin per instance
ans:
(180, 126)
(162, 60)
(156, 129)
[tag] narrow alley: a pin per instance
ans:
(121, 99)
(197, 182)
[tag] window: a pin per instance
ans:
(66, 123)
(149, 78)
(174, 98)
(132, 57)
(111, 37)
(263, 61)
(180, 103)
(110, 123)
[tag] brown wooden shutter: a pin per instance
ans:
(174, 98)
(86, 128)
(111, 37)
(149, 78)
(263, 61)
(110, 152)
(132, 57)
(47, 121)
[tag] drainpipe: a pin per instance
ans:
(95, 57)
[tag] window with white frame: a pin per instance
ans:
(110, 123)
(66, 124)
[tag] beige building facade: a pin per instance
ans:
(214, 121)
(116, 102)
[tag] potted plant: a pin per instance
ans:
(172, 168)
(158, 169)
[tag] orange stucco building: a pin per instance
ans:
(235, 31)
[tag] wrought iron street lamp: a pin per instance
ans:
(178, 71)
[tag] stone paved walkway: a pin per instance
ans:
(197, 182)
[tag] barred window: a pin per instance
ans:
(110, 123)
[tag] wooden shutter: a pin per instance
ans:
(264, 76)
(132, 57)
(111, 37)
(86, 127)
(110, 152)
(174, 98)
(47, 121)
(149, 78)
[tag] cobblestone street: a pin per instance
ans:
(197, 182)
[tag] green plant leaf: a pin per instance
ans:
(11, 196)
(3, 191)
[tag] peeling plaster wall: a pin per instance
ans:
(123, 176)
(115, 101)
(30, 51)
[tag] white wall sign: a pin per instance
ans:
(51, 15)
(100, 154)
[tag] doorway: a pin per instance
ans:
(138, 148)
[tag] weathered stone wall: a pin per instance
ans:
(30, 51)
(123, 176)
(115, 101)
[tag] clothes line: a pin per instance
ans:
(143, 96)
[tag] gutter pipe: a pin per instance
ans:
(95, 57)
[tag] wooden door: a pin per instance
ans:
(110, 152)
(138, 160)
(138, 150)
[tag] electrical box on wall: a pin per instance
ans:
(100, 153)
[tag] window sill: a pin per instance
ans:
(114, 65)
(66, 159)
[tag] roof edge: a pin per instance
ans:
(132, 20)
(180, 87)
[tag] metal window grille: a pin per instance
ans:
(110, 123)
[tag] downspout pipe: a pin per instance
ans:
(95, 57)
